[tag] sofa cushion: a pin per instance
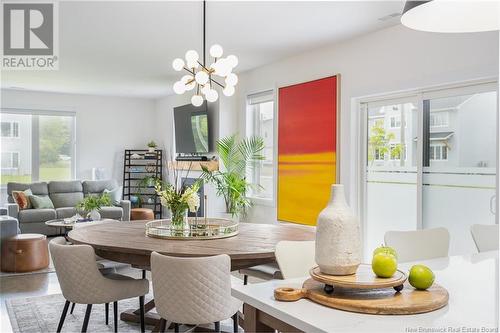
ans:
(115, 195)
(114, 213)
(37, 189)
(61, 200)
(21, 198)
(65, 212)
(41, 201)
(65, 186)
(98, 186)
(36, 215)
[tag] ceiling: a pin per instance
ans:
(126, 48)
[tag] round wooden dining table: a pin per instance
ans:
(126, 242)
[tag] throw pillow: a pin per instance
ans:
(21, 198)
(40, 202)
(115, 195)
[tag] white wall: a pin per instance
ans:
(105, 126)
(388, 60)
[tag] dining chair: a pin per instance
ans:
(193, 291)
(265, 272)
(82, 283)
(295, 258)
(419, 244)
(485, 236)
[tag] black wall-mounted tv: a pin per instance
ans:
(192, 125)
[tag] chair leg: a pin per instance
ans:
(63, 316)
(141, 309)
(72, 308)
(87, 317)
(245, 280)
(143, 273)
(217, 326)
(235, 323)
(106, 306)
(176, 328)
(115, 315)
(163, 325)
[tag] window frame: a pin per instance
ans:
(11, 153)
(35, 113)
(255, 173)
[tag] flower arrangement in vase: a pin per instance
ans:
(178, 198)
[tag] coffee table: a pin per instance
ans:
(59, 223)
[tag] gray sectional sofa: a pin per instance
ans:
(64, 195)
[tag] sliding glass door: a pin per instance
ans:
(459, 162)
(430, 162)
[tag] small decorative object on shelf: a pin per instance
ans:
(338, 240)
(152, 146)
(140, 176)
(92, 204)
(197, 228)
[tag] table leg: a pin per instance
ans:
(259, 321)
(133, 315)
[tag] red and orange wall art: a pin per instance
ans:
(307, 146)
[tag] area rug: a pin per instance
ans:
(41, 315)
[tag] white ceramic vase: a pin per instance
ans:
(95, 215)
(338, 239)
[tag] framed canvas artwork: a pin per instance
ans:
(307, 148)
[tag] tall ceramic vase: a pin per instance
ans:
(338, 239)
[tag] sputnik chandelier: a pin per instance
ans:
(201, 77)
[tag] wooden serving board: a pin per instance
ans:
(384, 301)
(363, 279)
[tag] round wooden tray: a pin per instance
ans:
(199, 229)
(372, 301)
(364, 278)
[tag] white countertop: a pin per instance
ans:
(471, 280)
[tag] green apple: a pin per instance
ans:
(421, 277)
(384, 265)
(386, 249)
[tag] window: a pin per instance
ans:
(10, 160)
(441, 177)
(45, 150)
(439, 119)
(438, 152)
(10, 129)
(395, 122)
(379, 154)
(260, 122)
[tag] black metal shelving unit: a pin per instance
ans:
(135, 170)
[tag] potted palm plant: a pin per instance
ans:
(236, 156)
(152, 146)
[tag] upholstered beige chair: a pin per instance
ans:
(193, 291)
(485, 236)
(82, 283)
(295, 258)
(419, 244)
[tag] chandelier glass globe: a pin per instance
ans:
(231, 79)
(216, 51)
(197, 100)
(228, 91)
(212, 95)
(178, 64)
(201, 77)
